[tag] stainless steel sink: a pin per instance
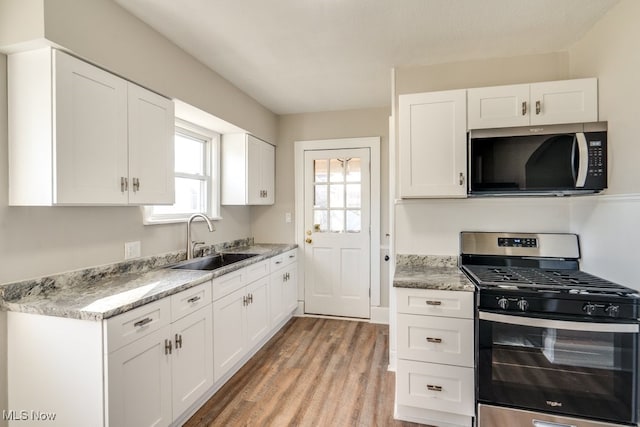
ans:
(212, 262)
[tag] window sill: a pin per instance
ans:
(180, 220)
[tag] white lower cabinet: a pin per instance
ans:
(284, 286)
(157, 377)
(150, 366)
(240, 321)
(435, 374)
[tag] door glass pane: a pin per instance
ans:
(321, 197)
(353, 196)
(354, 221)
(353, 170)
(337, 196)
(337, 221)
(337, 170)
(320, 221)
(320, 170)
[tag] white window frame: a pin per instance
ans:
(212, 169)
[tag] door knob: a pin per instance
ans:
(308, 240)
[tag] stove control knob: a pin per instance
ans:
(523, 304)
(589, 308)
(612, 310)
(503, 303)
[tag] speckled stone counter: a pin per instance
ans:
(106, 291)
(430, 272)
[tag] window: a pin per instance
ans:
(196, 176)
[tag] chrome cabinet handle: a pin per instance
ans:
(167, 346)
(524, 108)
(434, 302)
(244, 301)
(141, 323)
(250, 299)
(178, 341)
(434, 387)
(434, 340)
(135, 182)
(538, 107)
(461, 179)
(193, 299)
(124, 184)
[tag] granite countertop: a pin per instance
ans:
(103, 292)
(430, 272)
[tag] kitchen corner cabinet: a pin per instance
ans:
(432, 144)
(248, 170)
(435, 375)
(545, 103)
(79, 135)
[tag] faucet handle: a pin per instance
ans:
(194, 245)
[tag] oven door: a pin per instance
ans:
(582, 369)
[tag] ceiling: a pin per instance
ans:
(296, 56)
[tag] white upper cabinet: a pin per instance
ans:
(248, 170)
(80, 135)
(546, 103)
(432, 139)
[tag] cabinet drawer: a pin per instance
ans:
(445, 340)
(257, 270)
(437, 387)
(224, 285)
(190, 300)
(435, 302)
(284, 259)
(137, 323)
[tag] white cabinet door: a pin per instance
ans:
(139, 382)
(151, 130)
(229, 332)
(499, 106)
(248, 170)
(192, 367)
(260, 171)
(276, 296)
(90, 133)
(567, 101)
(258, 321)
(290, 291)
(433, 155)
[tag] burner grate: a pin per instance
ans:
(571, 281)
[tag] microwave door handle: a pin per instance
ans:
(583, 159)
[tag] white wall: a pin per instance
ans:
(609, 226)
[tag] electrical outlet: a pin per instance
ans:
(132, 250)
(287, 217)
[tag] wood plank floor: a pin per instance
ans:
(314, 372)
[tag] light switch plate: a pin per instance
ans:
(132, 250)
(287, 217)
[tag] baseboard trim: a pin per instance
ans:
(380, 315)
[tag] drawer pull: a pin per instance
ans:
(141, 323)
(434, 340)
(278, 262)
(434, 387)
(434, 302)
(292, 256)
(193, 299)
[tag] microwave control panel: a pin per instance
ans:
(597, 157)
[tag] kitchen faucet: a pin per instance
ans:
(190, 243)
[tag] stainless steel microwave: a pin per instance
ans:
(541, 160)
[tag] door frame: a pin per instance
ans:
(373, 144)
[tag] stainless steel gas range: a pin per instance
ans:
(555, 346)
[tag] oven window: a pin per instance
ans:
(570, 372)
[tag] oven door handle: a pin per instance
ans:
(623, 328)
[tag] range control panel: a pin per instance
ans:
(517, 242)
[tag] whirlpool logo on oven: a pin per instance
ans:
(554, 404)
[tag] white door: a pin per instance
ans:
(337, 232)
